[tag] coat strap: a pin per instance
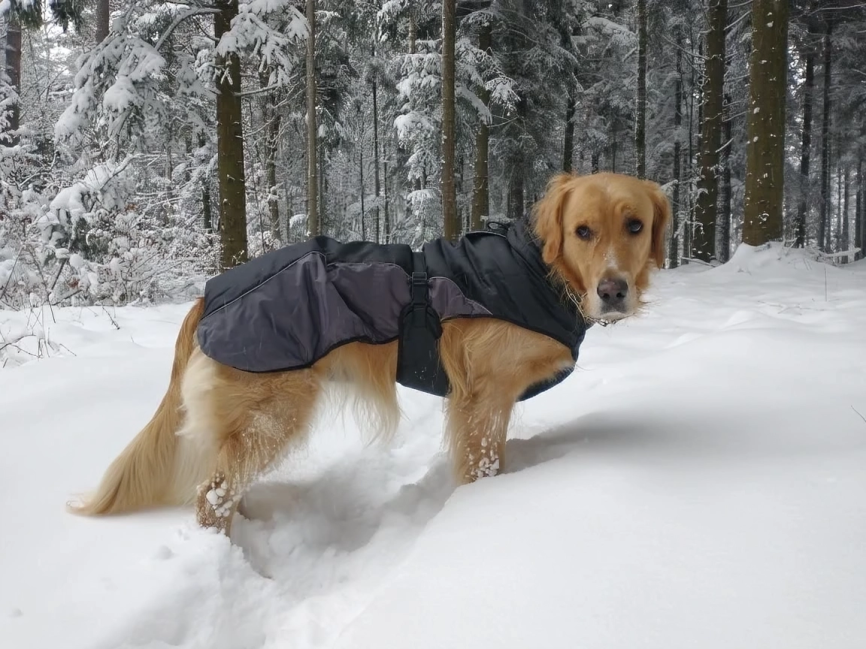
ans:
(420, 293)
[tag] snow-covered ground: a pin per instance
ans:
(700, 482)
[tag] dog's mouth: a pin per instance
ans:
(611, 301)
(612, 315)
(602, 316)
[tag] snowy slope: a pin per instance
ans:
(699, 482)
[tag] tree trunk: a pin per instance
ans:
(481, 190)
(387, 223)
(694, 143)
(313, 225)
(613, 147)
(828, 239)
(838, 237)
(515, 196)
(640, 113)
(451, 229)
(413, 37)
(361, 173)
(322, 216)
(103, 20)
(272, 134)
(860, 212)
(273, 197)
(678, 124)
(594, 162)
(766, 123)
(823, 229)
(187, 147)
(568, 145)
(805, 151)
(724, 233)
(846, 211)
(376, 160)
(230, 147)
(169, 163)
(706, 209)
(206, 212)
(13, 71)
(413, 31)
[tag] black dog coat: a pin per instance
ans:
(287, 309)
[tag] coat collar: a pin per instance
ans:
(526, 245)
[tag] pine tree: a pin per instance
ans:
(640, 113)
(103, 19)
(824, 228)
(766, 123)
(377, 185)
(230, 145)
(860, 210)
(19, 13)
(451, 227)
(13, 72)
(805, 142)
(706, 209)
(481, 188)
(272, 120)
(313, 225)
(673, 251)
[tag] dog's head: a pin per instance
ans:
(601, 235)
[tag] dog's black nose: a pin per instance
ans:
(612, 293)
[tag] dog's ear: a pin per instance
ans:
(548, 216)
(661, 218)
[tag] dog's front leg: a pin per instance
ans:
(477, 427)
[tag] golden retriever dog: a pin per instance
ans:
(219, 428)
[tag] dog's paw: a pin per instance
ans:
(216, 503)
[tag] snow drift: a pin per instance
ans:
(700, 481)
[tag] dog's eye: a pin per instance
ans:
(584, 233)
(634, 226)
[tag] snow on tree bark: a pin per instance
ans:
(723, 238)
(272, 118)
(706, 209)
(824, 218)
(846, 211)
(451, 225)
(766, 123)
(860, 211)
(805, 147)
(13, 71)
(673, 251)
(313, 226)
(480, 190)
(640, 113)
(568, 140)
(230, 145)
(377, 187)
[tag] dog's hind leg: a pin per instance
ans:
(258, 440)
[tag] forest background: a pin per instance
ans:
(146, 145)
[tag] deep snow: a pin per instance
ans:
(700, 481)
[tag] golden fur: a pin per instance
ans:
(218, 428)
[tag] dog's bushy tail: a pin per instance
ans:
(143, 474)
